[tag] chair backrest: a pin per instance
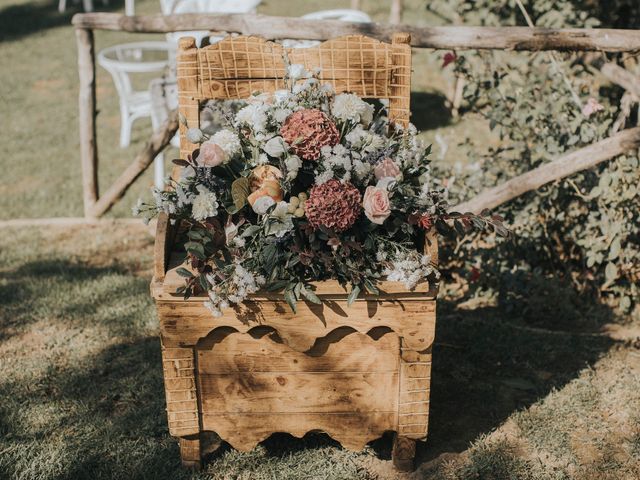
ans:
(236, 67)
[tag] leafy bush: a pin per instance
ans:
(583, 228)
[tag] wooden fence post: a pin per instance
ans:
(87, 117)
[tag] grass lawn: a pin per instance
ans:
(523, 388)
(38, 99)
(81, 392)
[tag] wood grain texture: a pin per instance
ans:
(299, 392)
(447, 38)
(403, 453)
(413, 398)
(353, 430)
(184, 324)
(237, 353)
(178, 366)
(87, 118)
(191, 452)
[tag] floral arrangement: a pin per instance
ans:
(304, 185)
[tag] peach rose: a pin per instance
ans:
(270, 188)
(376, 204)
(211, 155)
(386, 168)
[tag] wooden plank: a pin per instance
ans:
(185, 323)
(299, 392)
(352, 430)
(561, 167)
(87, 118)
(447, 38)
(356, 352)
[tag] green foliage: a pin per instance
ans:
(583, 228)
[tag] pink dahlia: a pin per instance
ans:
(307, 131)
(334, 205)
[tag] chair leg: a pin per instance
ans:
(126, 123)
(158, 171)
(62, 6)
(191, 451)
(87, 5)
(403, 453)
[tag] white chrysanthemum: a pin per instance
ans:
(255, 116)
(281, 114)
(205, 204)
(227, 141)
(350, 107)
(281, 220)
(361, 169)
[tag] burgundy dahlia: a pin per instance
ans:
(307, 131)
(334, 205)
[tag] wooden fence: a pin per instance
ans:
(276, 28)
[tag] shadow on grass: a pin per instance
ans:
(104, 417)
(17, 21)
(492, 361)
(73, 292)
(101, 418)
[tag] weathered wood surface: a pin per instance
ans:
(353, 430)
(178, 366)
(403, 453)
(87, 118)
(241, 353)
(184, 324)
(562, 167)
(157, 143)
(448, 38)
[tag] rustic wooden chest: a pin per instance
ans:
(353, 372)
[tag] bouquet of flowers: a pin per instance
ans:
(304, 185)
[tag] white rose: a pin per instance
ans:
(275, 147)
(262, 204)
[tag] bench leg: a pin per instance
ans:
(403, 453)
(191, 451)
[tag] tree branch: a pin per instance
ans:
(562, 167)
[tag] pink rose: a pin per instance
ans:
(376, 204)
(211, 155)
(386, 168)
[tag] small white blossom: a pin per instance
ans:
(293, 164)
(324, 177)
(254, 116)
(297, 71)
(205, 204)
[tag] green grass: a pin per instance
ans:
(82, 397)
(522, 386)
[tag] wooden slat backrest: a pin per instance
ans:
(236, 67)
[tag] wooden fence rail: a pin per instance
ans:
(274, 28)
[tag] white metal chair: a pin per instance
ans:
(344, 14)
(133, 58)
(164, 98)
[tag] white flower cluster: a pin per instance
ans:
(364, 140)
(335, 162)
(228, 141)
(351, 108)
(239, 286)
(408, 268)
(205, 204)
(253, 116)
